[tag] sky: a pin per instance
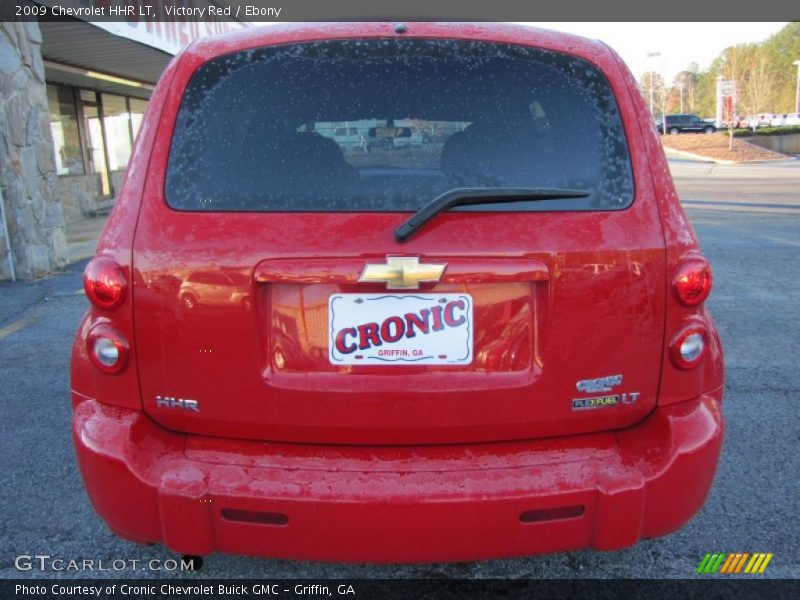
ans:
(678, 43)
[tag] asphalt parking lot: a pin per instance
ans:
(748, 219)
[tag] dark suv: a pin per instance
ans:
(686, 124)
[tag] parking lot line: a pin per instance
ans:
(739, 207)
(780, 240)
(20, 324)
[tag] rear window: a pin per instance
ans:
(387, 125)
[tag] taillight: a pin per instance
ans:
(104, 283)
(688, 346)
(692, 281)
(108, 348)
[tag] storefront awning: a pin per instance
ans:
(82, 55)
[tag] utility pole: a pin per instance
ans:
(797, 89)
(680, 87)
(7, 237)
(653, 55)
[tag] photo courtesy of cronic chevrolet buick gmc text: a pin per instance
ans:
(478, 332)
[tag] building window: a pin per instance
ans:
(64, 127)
(137, 114)
(117, 123)
(93, 132)
(95, 140)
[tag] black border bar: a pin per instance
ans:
(420, 10)
(196, 588)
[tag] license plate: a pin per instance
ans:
(401, 329)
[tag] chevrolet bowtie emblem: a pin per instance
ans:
(402, 273)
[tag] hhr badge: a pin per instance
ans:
(402, 273)
(172, 402)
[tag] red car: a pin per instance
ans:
(492, 342)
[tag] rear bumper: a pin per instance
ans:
(199, 495)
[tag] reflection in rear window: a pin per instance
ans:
(387, 125)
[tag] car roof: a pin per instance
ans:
(210, 47)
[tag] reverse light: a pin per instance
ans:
(688, 346)
(692, 281)
(108, 348)
(104, 283)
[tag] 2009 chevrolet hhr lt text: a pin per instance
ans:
(385, 292)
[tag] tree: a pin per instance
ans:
(748, 65)
(684, 84)
(705, 93)
(781, 50)
(763, 72)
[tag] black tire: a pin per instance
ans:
(709, 130)
(674, 131)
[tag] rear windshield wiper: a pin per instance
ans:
(462, 196)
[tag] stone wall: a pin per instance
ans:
(27, 161)
(785, 144)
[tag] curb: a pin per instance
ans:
(696, 157)
(720, 161)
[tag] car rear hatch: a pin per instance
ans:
(273, 302)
